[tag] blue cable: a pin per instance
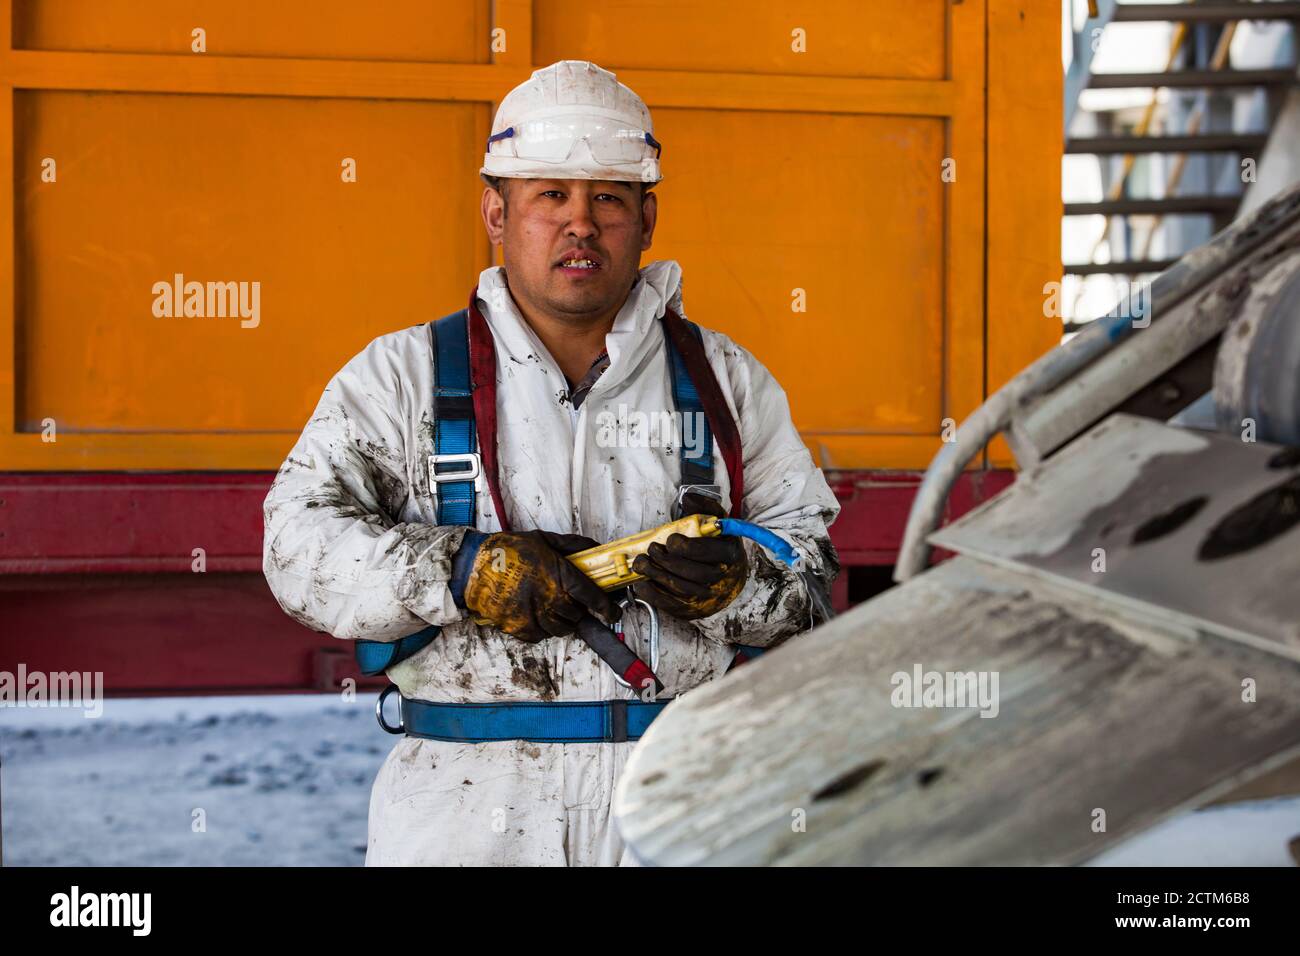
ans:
(773, 542)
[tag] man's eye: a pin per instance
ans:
(554, 193)
(610, 196)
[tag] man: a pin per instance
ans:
(575, 341)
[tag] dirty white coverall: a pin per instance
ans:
(351, 549)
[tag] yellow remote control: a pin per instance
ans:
(610, 565)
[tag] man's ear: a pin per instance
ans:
(494, 213)
(649, 215)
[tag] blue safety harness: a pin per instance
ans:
(454, 467)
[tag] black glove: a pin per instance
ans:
(691, 578)
(522, 584)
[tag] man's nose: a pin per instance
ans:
(582, 223)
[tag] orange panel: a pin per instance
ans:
(1026, 131)
(818, 171)
(327, 29)
(758, 205)
(882, 38)
(965, 201)
(228, 189)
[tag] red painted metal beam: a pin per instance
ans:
(875, 504)
(130, 523)
(167, 633)
(95, 574)
(151, 523)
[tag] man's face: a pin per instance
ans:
(572, 247)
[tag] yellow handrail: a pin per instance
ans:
(1217, 62)
(1117, 187)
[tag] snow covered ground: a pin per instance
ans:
(286, 781)
(1250, 833)
(275, 781)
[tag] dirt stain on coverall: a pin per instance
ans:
(534, 676)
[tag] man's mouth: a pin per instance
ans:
(579, 261)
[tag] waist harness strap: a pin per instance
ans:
(543, 722)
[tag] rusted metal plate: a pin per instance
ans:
(802, 757)
(1201, 529)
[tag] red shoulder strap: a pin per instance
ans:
(722, 424)
(483, 381)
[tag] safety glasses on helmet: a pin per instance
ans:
(553, 139)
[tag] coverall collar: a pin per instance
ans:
(635, 331)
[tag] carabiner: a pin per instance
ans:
(627, 602)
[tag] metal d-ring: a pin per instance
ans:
(627, 602)
(379, 711)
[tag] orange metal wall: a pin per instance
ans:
(817, 170)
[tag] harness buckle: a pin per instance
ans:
(711, 492)
(465, 474)
(379, 712)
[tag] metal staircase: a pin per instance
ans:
(1198, 60)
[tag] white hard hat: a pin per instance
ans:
(573, 120)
